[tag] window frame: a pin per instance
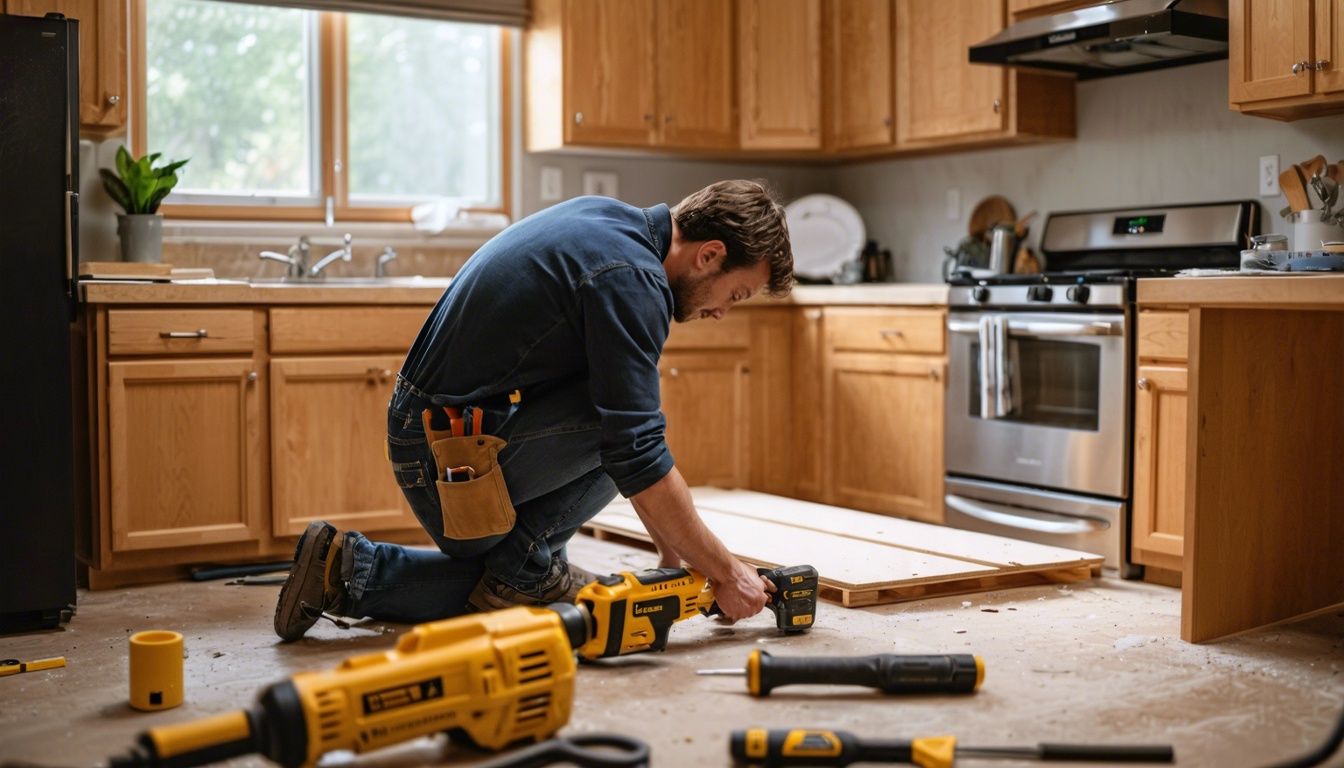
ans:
(334, 149)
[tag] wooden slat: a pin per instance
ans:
(872, 329)
(1164, 336)
(140, 331)
(345, 329)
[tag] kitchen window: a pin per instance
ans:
(298, 114)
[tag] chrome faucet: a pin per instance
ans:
(343, 253)
(380, 269)
(296, 260)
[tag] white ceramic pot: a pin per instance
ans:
(141, 237)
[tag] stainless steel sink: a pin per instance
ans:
(412, 281)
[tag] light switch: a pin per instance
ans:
(601, 183)
(552, 184)
(1269, 175)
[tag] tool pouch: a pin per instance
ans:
(480, 507)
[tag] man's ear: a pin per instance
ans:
(710, 255)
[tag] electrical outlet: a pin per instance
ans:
(552, 184)
(1269, 175)
(953, 204)
(601, 183)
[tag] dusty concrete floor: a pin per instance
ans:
(1092, 662)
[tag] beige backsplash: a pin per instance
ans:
(240, 259)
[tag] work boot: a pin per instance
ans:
(314, 588)
(561, 585)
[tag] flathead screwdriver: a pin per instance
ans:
(887, 672)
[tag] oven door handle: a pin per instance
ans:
(1045, 328)
(1013, 517)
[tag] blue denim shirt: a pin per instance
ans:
(575, 291)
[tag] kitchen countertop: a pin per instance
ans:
(1295, 291)
(428, 291)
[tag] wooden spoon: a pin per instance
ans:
(1313, 166)
(1293, 184)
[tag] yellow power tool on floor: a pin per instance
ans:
(495, 678)
(633, 612)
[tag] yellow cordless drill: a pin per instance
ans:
(632, 612)
(495, 678)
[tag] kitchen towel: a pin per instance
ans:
(987, 366)
(1003, 380)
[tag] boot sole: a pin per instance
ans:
(308, 555)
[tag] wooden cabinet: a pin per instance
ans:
(1158, 514)
(102, 56)
(630, 73)
(860, 95)
(1286, 57)
(882, 410)
(943, 100)
(779, 73)
(184, 452)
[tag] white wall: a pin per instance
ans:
(1156, 137)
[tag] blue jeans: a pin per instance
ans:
(555, 480)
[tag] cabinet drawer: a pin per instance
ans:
(873, 329)
(732, 332)
(179, 331)
(1164, 336)
(346, 329)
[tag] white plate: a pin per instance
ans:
(825, 232)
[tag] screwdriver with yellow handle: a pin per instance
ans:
(799, 746)
(14, 666)
(887, 672)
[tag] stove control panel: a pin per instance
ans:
(1039, 296)
(1078, 294)
(1040, 293)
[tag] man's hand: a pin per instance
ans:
(743, 594)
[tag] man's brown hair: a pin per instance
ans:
(750, 222)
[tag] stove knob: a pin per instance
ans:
(1040, 293)
(1078, 294)
(980, 293)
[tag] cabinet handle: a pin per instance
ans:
(1143, 384)
(578, 118)
(1299, 67)
(891, 332)
(198, 334)
(1321, 65)
(113, 100)
(997, 106)
(251, 376)
(886, 122)
(648, 117)
(668, 119)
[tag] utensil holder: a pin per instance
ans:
(1309, 231)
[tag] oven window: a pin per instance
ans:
(1054, 383)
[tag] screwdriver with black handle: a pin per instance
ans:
(887, 672)
(801, 746)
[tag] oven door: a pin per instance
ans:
(1063, 421)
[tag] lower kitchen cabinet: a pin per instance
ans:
(1159, 466)
(328, 427)
(704, 397)
(184, 452)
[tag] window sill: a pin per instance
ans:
(463, 234)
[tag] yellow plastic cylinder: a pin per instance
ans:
(156, 669)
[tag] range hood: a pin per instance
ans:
(1113, 38)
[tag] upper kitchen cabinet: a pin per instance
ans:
(779, 73)
(859, 69)
(1286, 57)
(102, 56)
(630, 73)
(942, 99)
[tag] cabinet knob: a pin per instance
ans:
(668, 119)
(934, 374)
(1143, 384)
(113, 100)
(886, 122)
(1300, 66)
(997, 106)
(251, 376)
(578, 118)
(673, 372)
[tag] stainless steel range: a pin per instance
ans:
(1040, 381)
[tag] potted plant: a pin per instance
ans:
(138, 187)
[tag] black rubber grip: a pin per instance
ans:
(1110, 753)
(889, 673)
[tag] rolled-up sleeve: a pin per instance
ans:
(625, 314)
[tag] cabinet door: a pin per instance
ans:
(328, 429)
(883, 428)
(938, 92)
(1266, 38)
(806, 435)
(1159, 466)
(779, 73)
(185, 453)
(859, 58)
(1329, 53)
(102, 54)
(609, 71)
(704, 397)
(695, 73)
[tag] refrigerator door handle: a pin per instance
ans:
(71, 236)
(1017, 517)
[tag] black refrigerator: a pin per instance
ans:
(39, 184)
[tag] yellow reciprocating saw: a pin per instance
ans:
(633, 612)
(495, 678)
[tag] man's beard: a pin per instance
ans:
(688, 297)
